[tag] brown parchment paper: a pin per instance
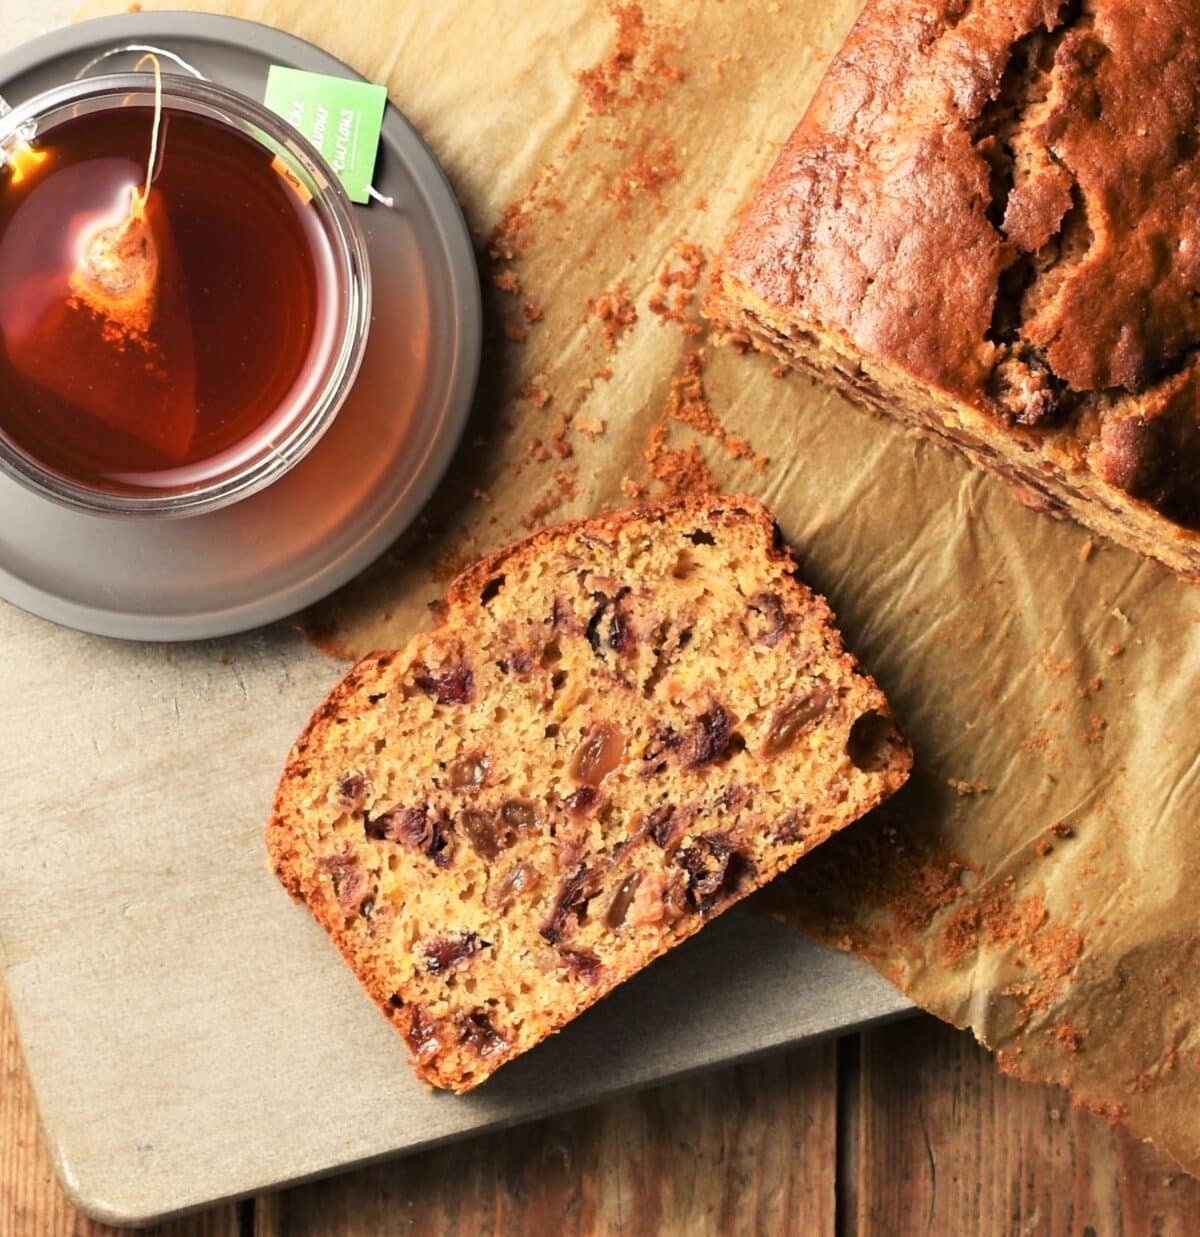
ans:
(1038, 880)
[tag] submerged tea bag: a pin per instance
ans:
(117, 272)
(108, 327)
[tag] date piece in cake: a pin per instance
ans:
(988, 225)
(618, 728)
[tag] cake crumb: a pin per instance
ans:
(1085, 550)
(1043, 847)
(1062, 830)
(961, 787)
(531, 311)
(616, 313)
(515, 333)
(534, 394)
(592, 427)
(507, 281)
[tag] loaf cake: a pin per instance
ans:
(987, 224)
(617, 728)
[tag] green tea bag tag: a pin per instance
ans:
(341, 117)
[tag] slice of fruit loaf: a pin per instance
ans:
(619, 727)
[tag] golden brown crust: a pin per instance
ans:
(487, 882)
(985, 211)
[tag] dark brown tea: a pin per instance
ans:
(216, 356)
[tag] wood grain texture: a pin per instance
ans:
(748, 1150)
(946, 1144)
(31, 1203)
(905, 1130)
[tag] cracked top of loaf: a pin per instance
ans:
(1001, 198)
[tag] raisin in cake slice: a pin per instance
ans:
(618, 728)
(988, 226)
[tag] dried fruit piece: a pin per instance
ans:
(444, 952)
(583, 964)
(709, 739)
(521, 814)
(422, 1034)
(415, 827)
(600, 753)
(713, 865)
(455, 686)
(618, 908)
(479, 828)
(470, 772)
(476, 1031)
(577, 890)
(768, 620)
(581, 801)
(799, 714)
(352, 791)
(521, 878)
(349, 880)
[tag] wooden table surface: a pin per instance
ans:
(906, 1129)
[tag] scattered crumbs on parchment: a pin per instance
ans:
(779, 370)
(678, 470)
(687, 403)
(1062, 830)
(1121, 616)
(531, 311)
(1068, 1035)
(604, 373)
(927, 890)
(653, 165)
(1095, 730)
(1091, 687)
(1043, 847)
(672, 299)
(1056, 669)
(560, 490)
(537, 451)
(507, 281)
(616, 313)
(964, 788)
(1116, 649)
(637, 66)
(517, 334)
(1048, 952)
(1085, 550)
(534, 393)
(590, 427)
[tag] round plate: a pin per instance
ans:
(361, 485)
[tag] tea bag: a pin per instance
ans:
(118, 268)
(109, 330)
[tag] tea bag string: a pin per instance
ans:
(140, 196)
(124, 49)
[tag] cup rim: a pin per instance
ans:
(353, 276)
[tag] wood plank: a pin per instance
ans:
(946, 1144)
(31, 1203)
(748, 1150)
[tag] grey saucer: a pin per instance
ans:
(368, 477)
